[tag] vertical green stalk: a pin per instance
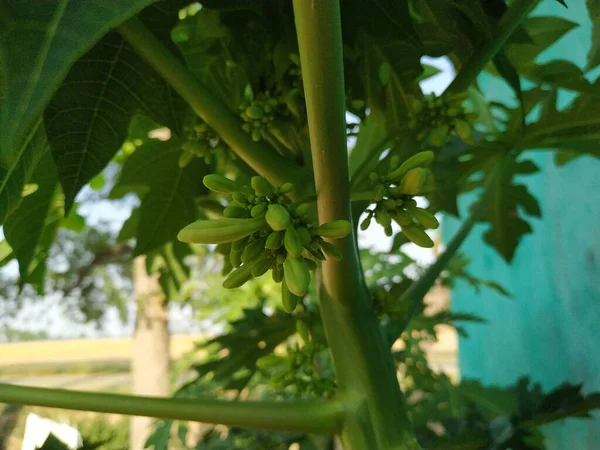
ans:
(376, 410)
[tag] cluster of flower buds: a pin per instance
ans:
(201, 141)
(263, 230)
(297, 369)
(393, 197)
(259, 114)
(435, 118)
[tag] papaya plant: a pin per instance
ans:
(229, 122)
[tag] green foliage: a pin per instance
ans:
(38, 46)
(102, 434)
(201, 114)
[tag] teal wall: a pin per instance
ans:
(550, 330)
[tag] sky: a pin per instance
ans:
(47, 315)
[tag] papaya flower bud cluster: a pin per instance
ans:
(201, 141)
(393, 196)
(262, 230)
(259, 114)
(436, 118)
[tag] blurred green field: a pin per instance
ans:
(76, 356)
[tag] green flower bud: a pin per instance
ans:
(219, 231)
(413, 181)
(255, 112)
(235, 211)
(221, 184)
(365, 223)
(275, 240)
(383, 218)
(286, 188)
(278, 217)
(252, 251)
(331, 250)
(261, 186)
(305, 236)
(288, 299)
(416, 235)
(296, 275)
(292, 242)
(336, 229)
(258, 210)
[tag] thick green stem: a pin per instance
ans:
(416, 291)
(509, 22)
(304, 416)
(376, 411)
(258, 155)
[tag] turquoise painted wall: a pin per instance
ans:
(551, 329)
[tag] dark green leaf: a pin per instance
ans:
(104, 89)
(53, 443)
(507, 227)
(31, 228)
(428, 72)
(39, 41)
(511, 76)
(371, 141)
(169, 204)
(159, 439)
(444, 30)
(6, 253)
(576, 128)
(386, 20)
(16, 169)
(129, 226)
(544, 31)
(242, 345)
(392, 98)
(560, 74)
(594, 53)
(562, 157)
(495, 400)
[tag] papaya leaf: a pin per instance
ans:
(442, 29)
(594, 52)
(6, 253)
(576, 129)
(242, 346)
(495, 401)
(31, 228)
(129, 226)
(511, 76)
(543, 31)
(502, 212)
(562, 157)
(428, 72)
(387, 19)
(560, 74)
(104, 89)
(168, 205)
(390, 95)
(16, 171)
(39, 41)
